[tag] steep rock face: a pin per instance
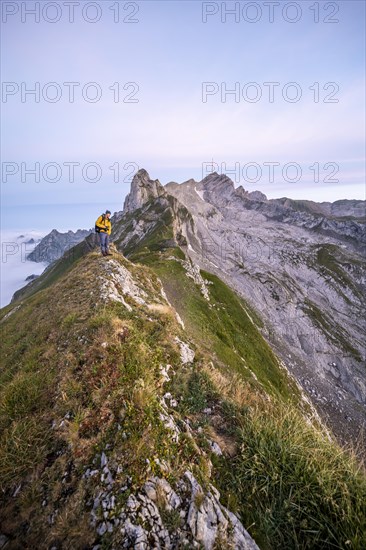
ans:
(308, 287)
(55, 244)
(142, 189)
(297, 213)
(166, 216)
(219, 190)
(345, 208)
(344, 218)
(291, 263)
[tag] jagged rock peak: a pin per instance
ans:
(214, 179)
(142, 189)
(241, 193)
(257, 196)
(221, 182)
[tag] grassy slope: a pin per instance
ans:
(222, 327)
(77, 376)
(56, 270)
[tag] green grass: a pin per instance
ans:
(329, 258)
(25, 394)
(200, 393)
(294, 487)
(55, 372)
(225, 328)
(24, 447)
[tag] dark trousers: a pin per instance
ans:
(104, 241)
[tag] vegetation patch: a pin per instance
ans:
(294, 487)
(332, 331)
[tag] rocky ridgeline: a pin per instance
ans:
(117, 282)
(158, 516)
(155, 512)
(308, 289)
(300, 265)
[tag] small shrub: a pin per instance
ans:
(201, 391)
(199, 498)
(69, 320)
(171, 519)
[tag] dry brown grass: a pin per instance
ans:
(72, 525)
(162, 308)
(231, 386)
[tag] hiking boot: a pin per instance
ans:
(104, 253)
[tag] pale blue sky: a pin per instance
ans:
(170, 131)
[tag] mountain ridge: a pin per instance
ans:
(143, 404)
(296, 323)
(303, 281)
(325, 216)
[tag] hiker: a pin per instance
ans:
(103, 226)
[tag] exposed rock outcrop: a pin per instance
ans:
(142, 190)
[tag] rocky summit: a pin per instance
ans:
(202, 387)
(142, 190)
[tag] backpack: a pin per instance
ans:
(97, 229)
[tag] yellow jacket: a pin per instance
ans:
(104, 224)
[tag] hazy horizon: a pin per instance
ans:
(274, 92)
(73, 216)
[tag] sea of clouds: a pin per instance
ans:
(14, 267)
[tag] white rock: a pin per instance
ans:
(186, 353)
(215, 448)
(102, 528)
(118, 282)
